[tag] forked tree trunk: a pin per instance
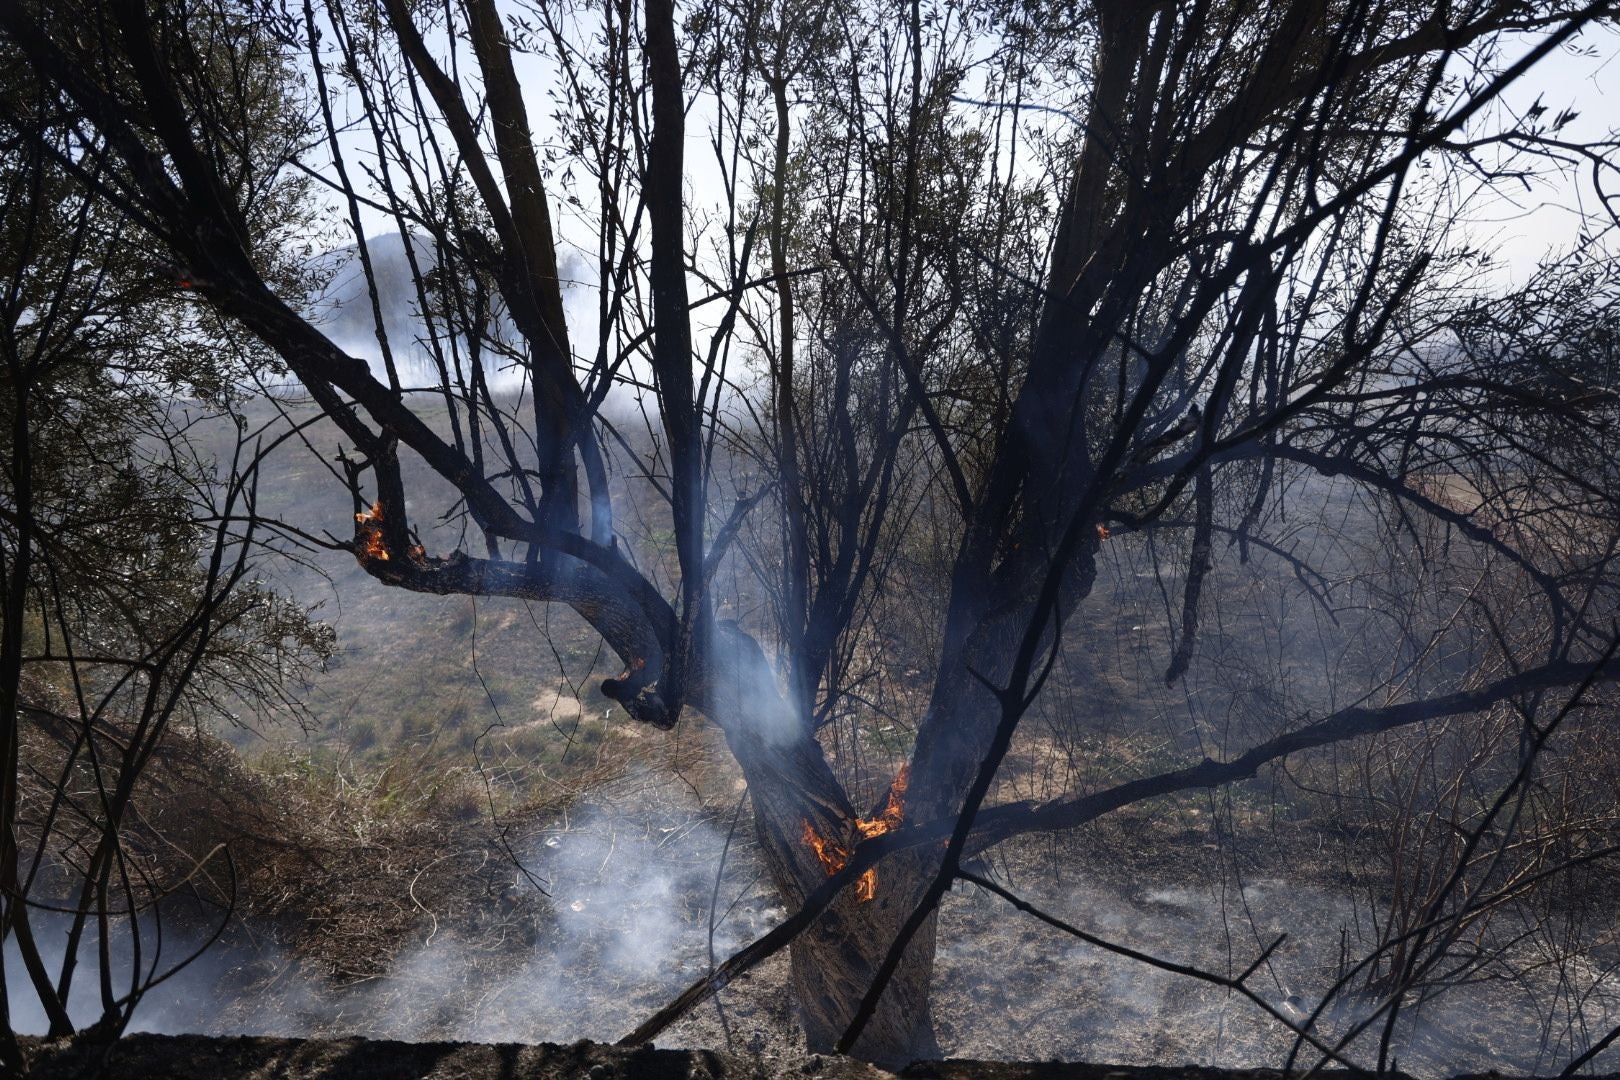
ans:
(835, 960)
(792, 789)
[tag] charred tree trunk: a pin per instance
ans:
(800, 806)
(834, 963)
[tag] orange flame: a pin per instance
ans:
(866, 887)
(833, 856)
(831, 853)
(1103, 533)
(369, 535)
(894, 808)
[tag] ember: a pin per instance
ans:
(832, 854)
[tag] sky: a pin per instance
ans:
(1522, 224)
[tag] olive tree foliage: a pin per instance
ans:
(978, 295)
(131, 607)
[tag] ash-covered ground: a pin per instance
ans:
(644, 889)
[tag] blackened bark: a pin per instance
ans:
(792, 787)
(835, 961)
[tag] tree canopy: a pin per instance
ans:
(130, 602)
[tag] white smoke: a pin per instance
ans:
(629, 927)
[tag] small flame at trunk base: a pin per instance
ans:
(833, 855)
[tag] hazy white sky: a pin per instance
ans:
(1526, 225)
(1522, 225)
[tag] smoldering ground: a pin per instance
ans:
(633, 895)
(626, 923)
(634, 904)
(630, 897)
(1054, 995)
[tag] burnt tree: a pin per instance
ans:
(1227, 278)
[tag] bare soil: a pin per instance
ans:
(430, 954)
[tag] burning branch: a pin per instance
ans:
(369, 542)
(368, 535)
